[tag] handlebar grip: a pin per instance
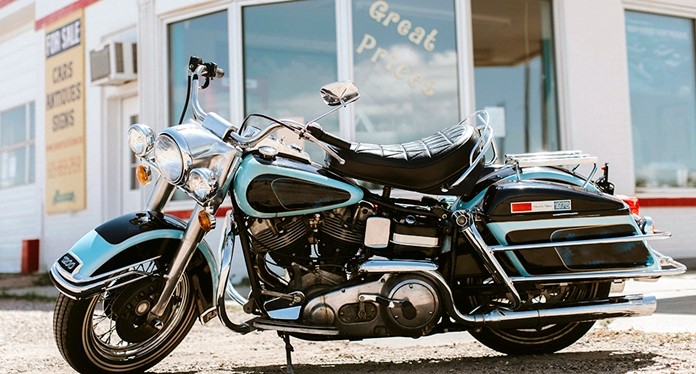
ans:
(219, 73)
(327, 138)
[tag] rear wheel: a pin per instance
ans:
(110, 332)
(549, 338)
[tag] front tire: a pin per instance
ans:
(87, 331)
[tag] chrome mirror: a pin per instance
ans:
(339, 93)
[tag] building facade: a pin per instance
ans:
(616, 79)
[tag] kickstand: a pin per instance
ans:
(288, 352)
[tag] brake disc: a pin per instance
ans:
(131, 306)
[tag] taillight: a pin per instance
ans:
(632, 202)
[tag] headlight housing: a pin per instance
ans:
(194, 159)
(141, 139)
(170, 159)
(202, 183)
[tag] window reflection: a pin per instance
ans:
(514, 72)
(17, 149)
(405, 64)
(663, 99)
(289, 54)
(205, 37)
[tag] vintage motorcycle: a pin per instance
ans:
(525, 255)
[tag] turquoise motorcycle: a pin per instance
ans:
(524, 254)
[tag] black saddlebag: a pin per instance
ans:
(530, 212)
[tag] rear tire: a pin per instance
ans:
(86, 331)
(549, 338)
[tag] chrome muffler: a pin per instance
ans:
(622, 306)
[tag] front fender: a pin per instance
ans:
(117, 245)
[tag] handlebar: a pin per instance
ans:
(311, 132)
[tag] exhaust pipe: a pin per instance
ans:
(613, 307)
(623, 306)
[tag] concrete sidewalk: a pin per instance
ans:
(676, 305)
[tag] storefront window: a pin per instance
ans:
(663, 99)
(405, 65)
(205, 37)
(514, 72)
(17, 146)
(289, 54)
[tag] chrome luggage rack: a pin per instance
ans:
(560, 158)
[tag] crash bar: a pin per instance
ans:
(571, 243)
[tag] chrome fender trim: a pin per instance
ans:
(79, 279)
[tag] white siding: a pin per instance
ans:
(20, 207)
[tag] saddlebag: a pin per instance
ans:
(530, 212)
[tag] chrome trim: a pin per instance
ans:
(224, 286)
(288, 314)
(80, 288)
(198, 112)
(148, 136)
(396, 266)
(522, 160)
(292, 327)
(572, 243)
(187, 247)
(415, 240)
(160, 195)
(607, 274)
(623, 306)
(491, 263)
(483, 144)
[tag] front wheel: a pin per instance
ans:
(109, 332)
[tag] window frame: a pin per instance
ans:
(30, 161)
(669, 8)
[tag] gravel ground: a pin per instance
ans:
(27, 346)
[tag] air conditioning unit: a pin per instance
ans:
(114, 64)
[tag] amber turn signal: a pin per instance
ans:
(206, 220)
(143, 174)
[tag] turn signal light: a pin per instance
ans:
(632, 202)
(143, 174)
(206, 220)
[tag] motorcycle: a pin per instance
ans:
(525, 254)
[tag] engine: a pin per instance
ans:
(314, 252)
(328, 239)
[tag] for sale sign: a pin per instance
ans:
(65, 115)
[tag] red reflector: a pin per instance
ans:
(520, 207)
(632, 202)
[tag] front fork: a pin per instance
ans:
(193, 234)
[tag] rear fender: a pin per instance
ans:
(107, 251)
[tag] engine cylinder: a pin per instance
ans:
(285, 239)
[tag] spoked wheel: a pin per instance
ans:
(549, 338)
(110, 332)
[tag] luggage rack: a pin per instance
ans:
(560, 158)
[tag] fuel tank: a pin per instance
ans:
(281, 187)
(530, 212)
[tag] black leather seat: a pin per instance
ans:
(424, 165)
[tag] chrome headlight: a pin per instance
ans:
(202, 183)
(170, 160)
(141, 139)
